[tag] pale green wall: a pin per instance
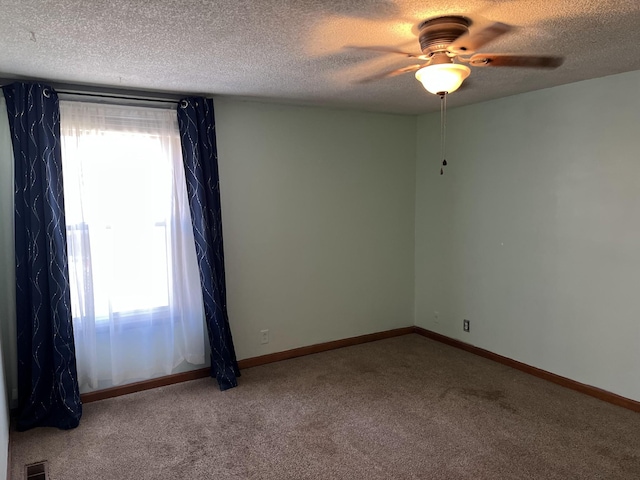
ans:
(534, 232)
(7, 285)
(4, 419)
(318, 220)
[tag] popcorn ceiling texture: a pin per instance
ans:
(293, 50)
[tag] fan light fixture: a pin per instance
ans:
(442, 77)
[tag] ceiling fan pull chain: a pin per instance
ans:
(443, 129)
(441, 107)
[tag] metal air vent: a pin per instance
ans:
(37, 471)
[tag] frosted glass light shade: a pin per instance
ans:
(443, 77)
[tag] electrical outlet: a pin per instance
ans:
(465, 325)
(264, 336)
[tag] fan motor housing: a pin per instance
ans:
(436, 34)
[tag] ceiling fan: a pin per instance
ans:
(446, 43)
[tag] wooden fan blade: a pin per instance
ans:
(383, 49)
(393, 73)
(472, 41)
(500, 60)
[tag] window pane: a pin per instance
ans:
(126, 199)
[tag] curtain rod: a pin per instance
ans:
(107, 92)
(118, 97)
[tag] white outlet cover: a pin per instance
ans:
(264, 336)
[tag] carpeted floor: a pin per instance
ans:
(403, 408)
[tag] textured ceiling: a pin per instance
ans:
(294, 51)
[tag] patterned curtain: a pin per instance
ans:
(48, 393)
(199, 152)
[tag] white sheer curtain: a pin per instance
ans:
(135, 290)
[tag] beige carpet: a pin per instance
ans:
(403, 408)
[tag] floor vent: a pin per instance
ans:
(37, 471)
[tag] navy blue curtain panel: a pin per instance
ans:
(200, 156)
(48, 393)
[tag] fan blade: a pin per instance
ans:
(393, 73)
(375, 48)
(472, 41)
(499, 60)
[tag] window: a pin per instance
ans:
(135, 290)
